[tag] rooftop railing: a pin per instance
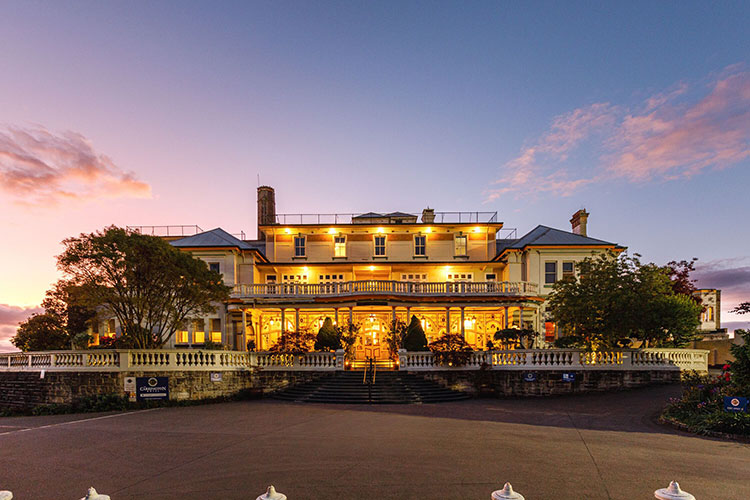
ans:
(186, 230)
(362, 218)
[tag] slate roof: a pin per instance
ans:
(549, 236)
(213, 238)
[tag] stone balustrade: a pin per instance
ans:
(197, 360)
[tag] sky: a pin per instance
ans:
(155, 113)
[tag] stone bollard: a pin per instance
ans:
(271, 494)
(506, 493)
(93, 495)
(673, 492)
(6, 495)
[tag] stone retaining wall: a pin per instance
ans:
(20, 390)
(547, 383)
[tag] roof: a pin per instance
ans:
(549, 236)
(213, 238)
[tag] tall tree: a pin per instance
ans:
(143, 281)
(415, 339)
(617, 298)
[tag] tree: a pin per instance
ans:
(741, 352)
(150, 286)
(616, 298)
(679, 277)
(328, 339)
(743, 308)
(42, 332)
(294, 342)
(451, 350)
(516, 337)
(395, 337)
(348, 336)
(63, 325)
(415, 339)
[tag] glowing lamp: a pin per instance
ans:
(332, 230)
(380, 230)
(287, 230)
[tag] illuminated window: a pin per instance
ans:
(299, 246)
(330, 278)
(111, 330)
(414, 277)
(199, 333)
(182, 337)
(294, 278)
(550, 272)
(380, 246)
(214, 267)
(339, 246)
(549, 331)
(420, 244)
(460, 277)
(490, 277)
(216, 330)
(460, 242)
(271, 279)
(568, 270)
(708, 315)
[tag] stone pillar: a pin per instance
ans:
(336, 316)
(506, 317)
(408, 315)
(283, 321)
(447, 320)
(463, 329)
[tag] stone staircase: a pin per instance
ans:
(390, 387)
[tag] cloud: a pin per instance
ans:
(10, 316)
(671, 135)
(41, 167)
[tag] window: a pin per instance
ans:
(549, 331)
(111, 328)
(380, 246)
(460, 276)
(330, 278)
(568, 270)
(214, 267)
(550, 272)
(299, 246)
(420, 244)
(339, 246)
(199, 333)
(708, 315)
(490, 277)
(182, 337)
(295, 278)
(271, 279)
(460, 242)
(215, 330)
(414, 277)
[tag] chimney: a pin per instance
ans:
(428, 215)
(266, 208)
(578, 222)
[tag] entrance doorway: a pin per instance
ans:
(371, 343)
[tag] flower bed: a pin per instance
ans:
(701, 407)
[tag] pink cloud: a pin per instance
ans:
(670, 135)
(40, 167)
(10, 316)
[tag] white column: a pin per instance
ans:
(336, 316)
(242, 333)
(447, 320)
(283, 321)
(463, 330)
(507, 324)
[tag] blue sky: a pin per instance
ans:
(638, 111)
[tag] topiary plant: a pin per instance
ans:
(328, 338)
(415, 339)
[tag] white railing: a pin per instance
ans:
(567, 359)
(197, 360)
(385, 287)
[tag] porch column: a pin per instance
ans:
(336, 316)
(447, 320)
(296, 319)
(258, 332)
(463, 330)
(242, 341)
(351, 315)
(506, 317)
(408, 315)
(283, 321)
(393, 314)
(520, 317)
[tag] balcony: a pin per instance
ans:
(404, 289)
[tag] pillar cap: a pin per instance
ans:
(506, 493)
(93, 495)
(271, 494)
(673, 492)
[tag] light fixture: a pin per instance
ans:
(476, 229)
(380, 230)
(428, 230)
(372, 268)
(332, 230)
(287, 230)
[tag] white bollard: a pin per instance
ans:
(506, 493)
(93, 495)
(271, 494)
(673, 492)
(6, 495)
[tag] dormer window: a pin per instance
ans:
(299, 246)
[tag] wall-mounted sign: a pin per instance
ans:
(529, 377)
(152, 388)
(734, 403)
(217, 376)
(129, 387)
(569, 377)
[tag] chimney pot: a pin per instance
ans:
(578, 222)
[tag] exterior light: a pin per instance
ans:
(380, 230)
(332, 230)
(287, 230)
(372, 268)
(428, 230)
(306, 269)
(476, 229)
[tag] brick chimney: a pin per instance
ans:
(266, 208)
(428, 215)
(578, 222)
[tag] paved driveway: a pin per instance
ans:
(574, 447)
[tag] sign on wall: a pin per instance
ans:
(568, 377)
(529, 377)
(152, 388)
(129, 388)
(734, 403)
(217, 377)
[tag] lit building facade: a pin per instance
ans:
(452, 270)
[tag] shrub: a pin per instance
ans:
(741, 364)
(290, 342)
(328, 338)
(415, 339)
(451, 350)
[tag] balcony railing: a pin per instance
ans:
(346, 218)
(386, 287)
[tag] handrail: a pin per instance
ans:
(386, 287)
(462, 217)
